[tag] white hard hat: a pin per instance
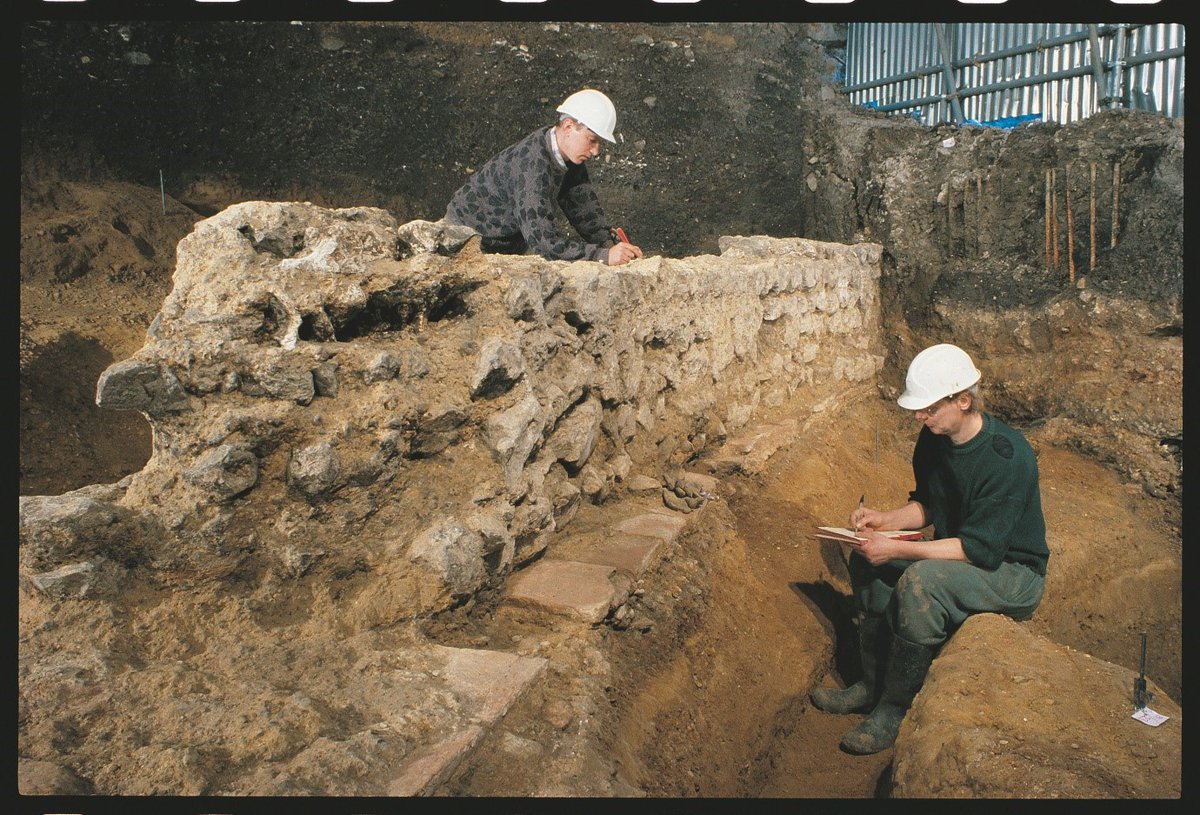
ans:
(593, 109)
(935, 373)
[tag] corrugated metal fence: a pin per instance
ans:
(1007, 73)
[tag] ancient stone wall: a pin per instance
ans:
(340, 401)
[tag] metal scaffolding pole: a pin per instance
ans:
(948, 71)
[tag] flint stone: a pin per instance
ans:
(314, 469)
(523, 300)
(316, 260)
(226, 471)
(589, 296)
(512, 434)
(435, 435)
(59, 529)
(454, 554)
(280, 382)
(439, 237)
(134, 384)
(496, 542)
(564, 497)
(531, 527)
(325, 381)
(621, 424)
(693, 484)
(501, 365)
(575, 438)
(93, 578)
(619, 466)
(565, 500)
(593, 484)
(386, 365)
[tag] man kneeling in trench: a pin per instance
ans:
(977, 485)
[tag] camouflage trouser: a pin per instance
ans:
(507, 245)
(925, 601)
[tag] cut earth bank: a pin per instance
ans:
(1095, 371)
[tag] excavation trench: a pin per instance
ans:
(705, 694)
(722, 709)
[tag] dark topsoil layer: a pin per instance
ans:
(723, 129)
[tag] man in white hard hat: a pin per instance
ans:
(977, 486)
(511, 200)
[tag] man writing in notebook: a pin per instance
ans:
(511, 201)
(976, 484)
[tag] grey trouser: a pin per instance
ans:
(925, 601)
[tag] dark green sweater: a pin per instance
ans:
(984, 492)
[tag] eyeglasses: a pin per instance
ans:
(934, 408)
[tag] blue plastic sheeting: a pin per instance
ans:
(1007, 123)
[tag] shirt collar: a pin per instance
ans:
(554, 151)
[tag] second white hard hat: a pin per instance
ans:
(935, 373)
(594, 109)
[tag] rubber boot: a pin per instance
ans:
(861, 696)
(907, 665)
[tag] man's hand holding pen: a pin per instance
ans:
(864, 517)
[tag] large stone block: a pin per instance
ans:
(56, 530)
(453, 554)
(499, 367)
(512, 434)
(225, 472)
(135, 384)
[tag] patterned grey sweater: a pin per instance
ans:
(510, 202)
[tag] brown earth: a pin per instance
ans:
(749, 612)
(735, 606)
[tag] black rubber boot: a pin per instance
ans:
(861, 696)
(907, 666)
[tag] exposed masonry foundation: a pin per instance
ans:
(338, 400)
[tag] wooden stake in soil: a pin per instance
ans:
(1054, 211)
(964, 219)
(979, 212)
(1047, 209)
(1116, 185)
(1092, 258)
(949, 219)
(1070, 224)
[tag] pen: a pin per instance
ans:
(861, 503)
